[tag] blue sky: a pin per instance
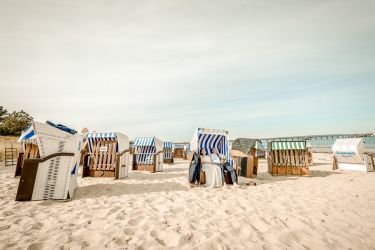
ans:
(164, 68)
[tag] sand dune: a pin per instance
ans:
(331, 210)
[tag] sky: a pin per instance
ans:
(163, 68)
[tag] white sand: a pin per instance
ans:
(331, 210)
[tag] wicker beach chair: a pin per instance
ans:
(52, 175)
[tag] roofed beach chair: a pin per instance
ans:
(350, 154)
(181, 150)
(248, 165)
(288, 158)
(52, 173)
(148, 154)
(168, 152)
(208, 139)
(108, 155)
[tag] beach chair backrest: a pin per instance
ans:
(146, 148)
(168, 147)
(104, 148)
(349, 150)
(209, 139)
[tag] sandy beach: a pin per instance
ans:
(329, 210)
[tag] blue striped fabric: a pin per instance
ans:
(27, 134)
(92, 137)
(167, 154)
(168, 144)
(210, 141)
(145, 148)
(144, 141)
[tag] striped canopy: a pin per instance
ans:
(144, 141)
(210, 139)
(168, 144)
(121, 139)
(146, 147)
(102, 136)
(287, 145)
(28, 135)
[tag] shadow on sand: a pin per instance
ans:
(265, 178)
(117, 189)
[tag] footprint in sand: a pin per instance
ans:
(154, 234)
(129, 231)
(133, 222)
(35, 246)
(185, 239)
(8, 213)
(37, 226)
(3, 228)
(114, 210)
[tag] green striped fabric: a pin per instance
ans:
(286, 145)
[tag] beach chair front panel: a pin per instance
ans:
(288, 158)
(168, 147)
(104, 155)
(124, 165)
(53, 179)
(145, 154)
(159, 162)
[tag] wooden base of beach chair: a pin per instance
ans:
(273, 170)
(100, 173)
(169, 161)
(289, 170)
(202, 178)
(305, 171)
(281, 170)
(296, 171)
(178, 153)
(144, 167)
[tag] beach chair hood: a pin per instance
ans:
(122, 140)
(208, 139)
(349, 150)
(149, 142)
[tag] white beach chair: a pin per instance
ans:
(350, 154)
(54, 174)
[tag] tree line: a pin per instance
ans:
(13, 123)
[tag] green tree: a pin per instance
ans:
(15, 123)
(3, 113)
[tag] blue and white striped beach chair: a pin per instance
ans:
(168, 152)
(148, 154)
